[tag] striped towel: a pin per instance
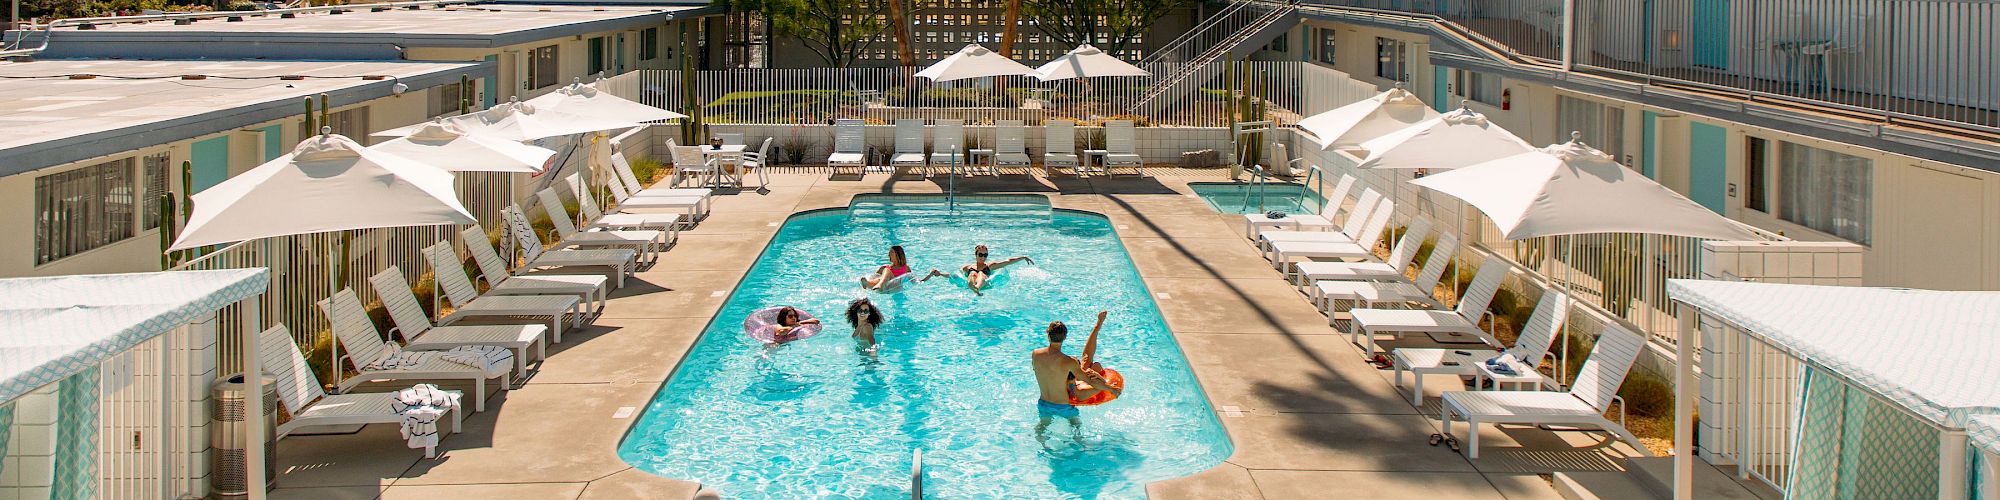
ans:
(492, 361)
(421, 406)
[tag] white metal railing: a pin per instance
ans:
(1757, 405)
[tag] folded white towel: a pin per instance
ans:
(493, 360)
(421, 406)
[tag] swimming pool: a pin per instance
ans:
(819, 418)
(1240, 198)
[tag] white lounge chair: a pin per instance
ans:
(647, 242)
(1322, 221)
(909, 145)
(1372, 293)
(622, 168)
(850, 147)
(1010, 145)
(1350, 228)
(948, 145)
(1059, 146)
(620, 263)
(309, 404)
(626, 200)
(362, 344)
(418, 334)
(1390, 269)
(595, 219)
(500, 281)
(1121, 147)
(558, 311)
(1462, 320)
(1362, 248)
(1592, 393)
(1529, 348)
(690, 163)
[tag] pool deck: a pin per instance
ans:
(1311, 419)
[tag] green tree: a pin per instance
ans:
(1108, 24)
(836, 30)
(63, 9)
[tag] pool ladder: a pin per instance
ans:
(917, 475)
(1260, 182)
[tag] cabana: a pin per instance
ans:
(1838, 392)
(75, 343)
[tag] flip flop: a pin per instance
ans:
(1436, 438)
(1451, 442)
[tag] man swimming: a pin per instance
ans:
(1061, 377)
(979, 273)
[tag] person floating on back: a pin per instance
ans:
(1065, 382)
(980, 272)
(890, 276)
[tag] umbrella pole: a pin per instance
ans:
(1569, 285)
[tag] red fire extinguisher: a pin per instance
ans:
(1506, 99)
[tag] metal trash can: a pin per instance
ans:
(228, 439)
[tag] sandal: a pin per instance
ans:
(1451, 442)
(1436, 438)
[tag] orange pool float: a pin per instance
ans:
(1112, 378)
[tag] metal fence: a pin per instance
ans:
(883, 95)
(1928, 61)
(1758, 403)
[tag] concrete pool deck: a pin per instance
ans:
(1307, 416)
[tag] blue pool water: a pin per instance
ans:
(1236, 198)
(819, 418)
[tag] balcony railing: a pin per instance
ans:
(1926, 62)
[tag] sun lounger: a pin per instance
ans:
(1529, 348)
(1059, 146)
(619, 262)
(909, 146)
(850, 147)
(557, 311)
(1591, 394)
(1362, 248)
(948, 145)
(625, 200)
(1391, 269)
(1371, 293)
(500, 281)
(1322, 221)
(1121, 147)
(647, 242)
(1350, 228)
(362, 344)
(1460, 321)
(418, 334)
(595, 219)
(622, 168)
(1010, 145)
(309, 404)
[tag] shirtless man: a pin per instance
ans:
(1058, 375)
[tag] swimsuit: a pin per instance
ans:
(1048, 409)
(898, 271)
(988, 270)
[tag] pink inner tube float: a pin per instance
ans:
(763, 326)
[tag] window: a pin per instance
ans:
(1327, 37)
(83, 209)
(444, 99)
(542, 67)
(1480, 87)
(1756, 155)
(1389, 60)
(649, 44)
(1603, 127)
(1827, 191)
(352, 123)
(154, 171)
(595, 65)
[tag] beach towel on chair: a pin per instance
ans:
(421, 406)
(494, 361)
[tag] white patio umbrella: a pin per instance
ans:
(519, 121)
(1086, 61)
(444, 145)
(328, 183)
(973, 61)
(1456, 139)
(1570, 189)
(1350, 125)
(581, 99)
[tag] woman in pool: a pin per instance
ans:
(980, 272)
(885, 277)
(788, 324)
(864, 317)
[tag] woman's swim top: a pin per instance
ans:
(899, 271)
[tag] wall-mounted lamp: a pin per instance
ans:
(1671, 39)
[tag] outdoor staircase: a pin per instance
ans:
(1196, 57)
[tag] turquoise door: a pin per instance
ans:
(1649, 146)
(1708, 165)
(211, 162)
(274, 142)
(493, 83)
(1709, 40)
(1441, 90)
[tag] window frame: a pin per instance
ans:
(544, 67)
(92, 190)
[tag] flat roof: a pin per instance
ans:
(464, 25)
(54, 120)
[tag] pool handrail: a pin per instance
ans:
(917, 475)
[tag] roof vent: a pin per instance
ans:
(292, 77)
(377, 9)
(288, 15)
(375, 77)
(234, 19)
(86, 26)
(83, 76)
(183, 21)
(194, 77)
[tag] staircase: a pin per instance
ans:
(1234, 32)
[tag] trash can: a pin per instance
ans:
(228, 437)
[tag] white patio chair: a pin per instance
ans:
(1121, 146)
(1462, 321)
(647, 242)
(1350, 228)
(947, 145)
(1369, 293)
(595, 219)
(1390, 269)
(622, 168)
(690, 163)
(620, 263)
(1530, 348)
(309, 404)
(1362, 248)
(909, 145)
(1059, 146)
(1593, 392)
(418, 334)
(501, 281)
(850, 147)
(1322, 221)
(757, 162)
(361, 344)
(1010, 145)
(625, 199)
(456, 288)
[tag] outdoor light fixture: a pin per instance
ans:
(1671, 39)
